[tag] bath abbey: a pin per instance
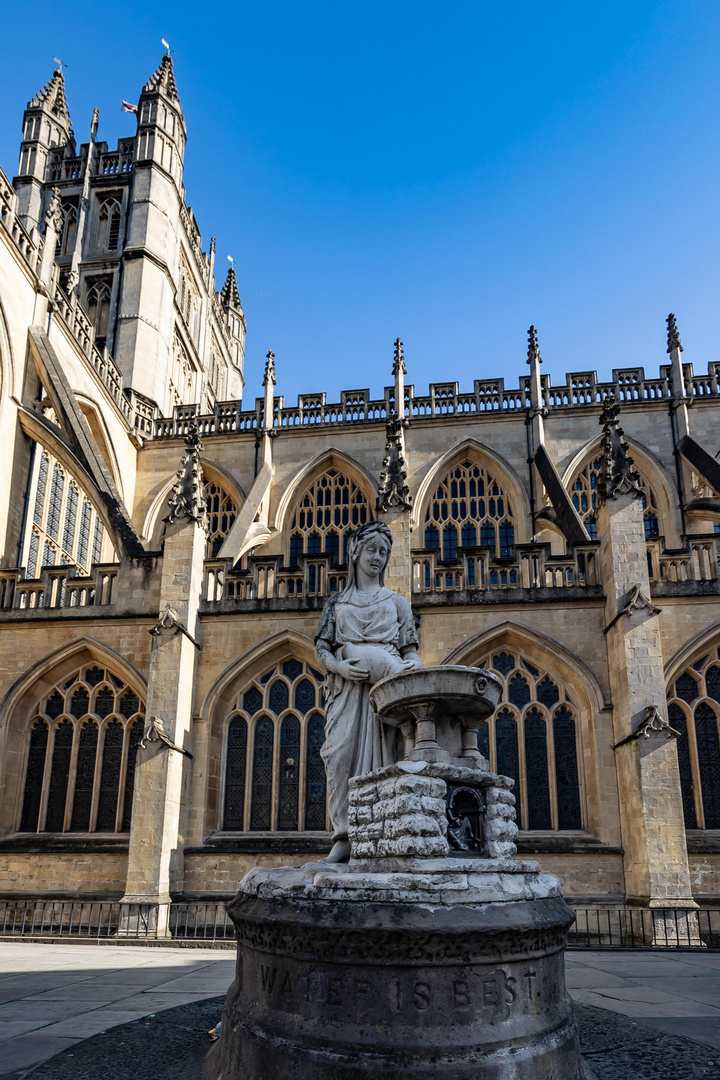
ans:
(169, 541)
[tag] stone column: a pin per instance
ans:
(653, 829)
(393, 500)
(154, 862)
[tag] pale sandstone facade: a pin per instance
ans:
(113, 340)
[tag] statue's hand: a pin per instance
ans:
(352, 669)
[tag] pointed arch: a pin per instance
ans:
(693, 694)
(271, 649)
(49, 438)
(332, 458)
(44, 673)
(483, 455)
(548, 730)
(212, 471)
(650, 468)
(273, 686)
(512, 634)
(20, 711)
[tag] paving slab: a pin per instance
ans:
(172, 1047)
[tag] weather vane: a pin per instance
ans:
(169, 50)
(59, 64)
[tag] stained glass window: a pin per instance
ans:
(110, 777)
(262, 774)
(86, 712)
(583, 491)
(566, 768)
(467, 497)
(708, 745)
(537, 705)
(289, 774)
(34, 776)
(222, 511)
(536, 770)
(62, 522)
(676, 716)
(331, 508)
(698, 744)
(315, 783)
(84, 777)
(59, 777)
(284, 706)
(136, 734)
(235, 773)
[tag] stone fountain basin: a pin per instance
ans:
(470, 694)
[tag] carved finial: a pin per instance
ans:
(393, 492)
(617, 474)
(533, 350)
(229, 295)
(673, 334)
(399, 361)
(212, 245)
(94, 123)
(54, 216)
(269, 369)
(187, 498)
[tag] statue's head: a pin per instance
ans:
(373, 530)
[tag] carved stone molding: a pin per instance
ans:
(155, 732)
(617, 475)
(636, 601)
(54, 216)
(393, 492)
(654, 722)
(187, 498)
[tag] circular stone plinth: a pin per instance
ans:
(469, 693)
(348, 991)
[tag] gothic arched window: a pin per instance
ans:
(583, 491)
(222, 511)
(66, 239)
(693, 710)
(326, 515)
(98, 309)
(470, 501)
(274, 775)
(82, 747)
(108, 235)
(65, 528)
(533, 738)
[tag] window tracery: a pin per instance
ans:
(98, 309)
(108, 234)
(327, 514)
(66, 239)
(274, 775)
(693, 710)
(82, 748)
(533, 738)
(469, 507)
(65, 528)
(222, 511)
(583, 491)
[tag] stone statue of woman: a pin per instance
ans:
(366, 633)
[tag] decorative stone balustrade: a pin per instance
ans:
(531, 567)
(58, 587)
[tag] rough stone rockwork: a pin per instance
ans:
(118, 333)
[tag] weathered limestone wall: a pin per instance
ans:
(84, 874)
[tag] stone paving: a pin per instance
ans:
(53, 996)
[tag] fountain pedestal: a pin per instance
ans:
(414, 960)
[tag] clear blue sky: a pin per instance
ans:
(446, 173)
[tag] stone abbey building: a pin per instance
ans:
(167, 546)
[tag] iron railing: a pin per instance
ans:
(105, 919)
(645, 928)
(594, 927)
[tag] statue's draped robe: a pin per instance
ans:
(353, 736)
